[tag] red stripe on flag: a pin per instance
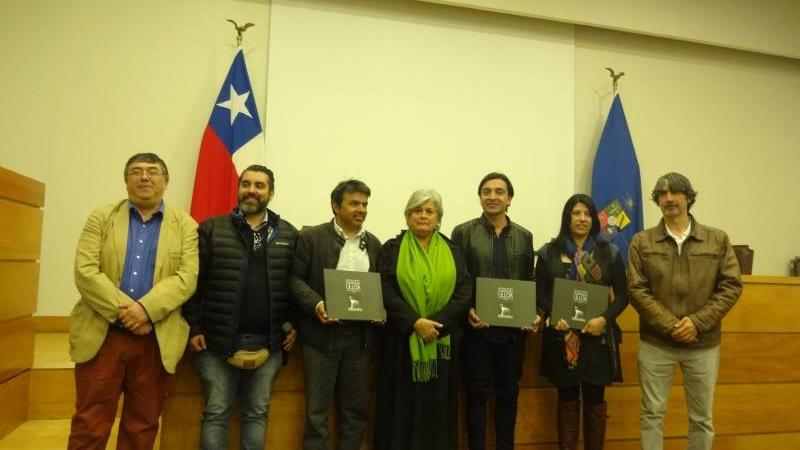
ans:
(215, 181)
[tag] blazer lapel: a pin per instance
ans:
(120, 223)
(164, 237)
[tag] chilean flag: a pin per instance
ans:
(231, 142)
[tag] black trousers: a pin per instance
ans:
(497, 367)
(592, 394)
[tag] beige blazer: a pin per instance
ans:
(99, 263)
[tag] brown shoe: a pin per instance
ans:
(594, 426)
(569, 422)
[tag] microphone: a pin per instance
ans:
(286, 327)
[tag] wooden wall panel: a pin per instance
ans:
(766, 307)
(19, 287)
(21, 199)
(180, 426)
(16, 356)
(757, 388)
(52, 324)
(780, 296)
(20, 188)
(21, 227)
(52, 394)
(738, 409)
(744, 358)
(788, 441)
(14, 401)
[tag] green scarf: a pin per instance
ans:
(427, 281)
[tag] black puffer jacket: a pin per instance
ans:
(214, 308)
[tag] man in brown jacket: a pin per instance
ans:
(683, 278)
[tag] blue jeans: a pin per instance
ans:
(222, 383)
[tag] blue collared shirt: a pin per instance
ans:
(140, 254)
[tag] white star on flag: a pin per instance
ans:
(235, 104)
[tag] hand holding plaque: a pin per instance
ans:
(353, 295)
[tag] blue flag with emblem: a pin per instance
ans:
(616, 183)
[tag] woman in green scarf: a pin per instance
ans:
(426, 292)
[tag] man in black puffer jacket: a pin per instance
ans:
(242, 303)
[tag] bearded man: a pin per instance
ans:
(240, 315)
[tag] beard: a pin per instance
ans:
(249, 208)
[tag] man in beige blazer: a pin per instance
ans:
(136, 264)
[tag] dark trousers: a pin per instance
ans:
(341, 369)
(492, 367)
(592, 394)
(126, 364)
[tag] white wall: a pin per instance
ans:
(401, 94)
(768, 26)
(408, 96)
(97, 81)
(87, 83)
(726, 119)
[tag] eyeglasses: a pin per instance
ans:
(151, 173)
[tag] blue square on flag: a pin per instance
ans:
(235, 117)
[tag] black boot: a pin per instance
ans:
(594, 426)
(569, 423)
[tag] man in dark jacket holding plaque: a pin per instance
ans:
(240, 315)
(494, 247)
(335, 353)
(683, 278)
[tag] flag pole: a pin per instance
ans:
(240, 30)
(614, 78)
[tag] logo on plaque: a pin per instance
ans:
(506, 297)
(579, 300)
(353, 287)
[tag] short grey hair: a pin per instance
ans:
(421, 196)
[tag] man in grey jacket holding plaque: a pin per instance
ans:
(335, 353)
(683, 278)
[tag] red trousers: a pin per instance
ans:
(126, 364)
